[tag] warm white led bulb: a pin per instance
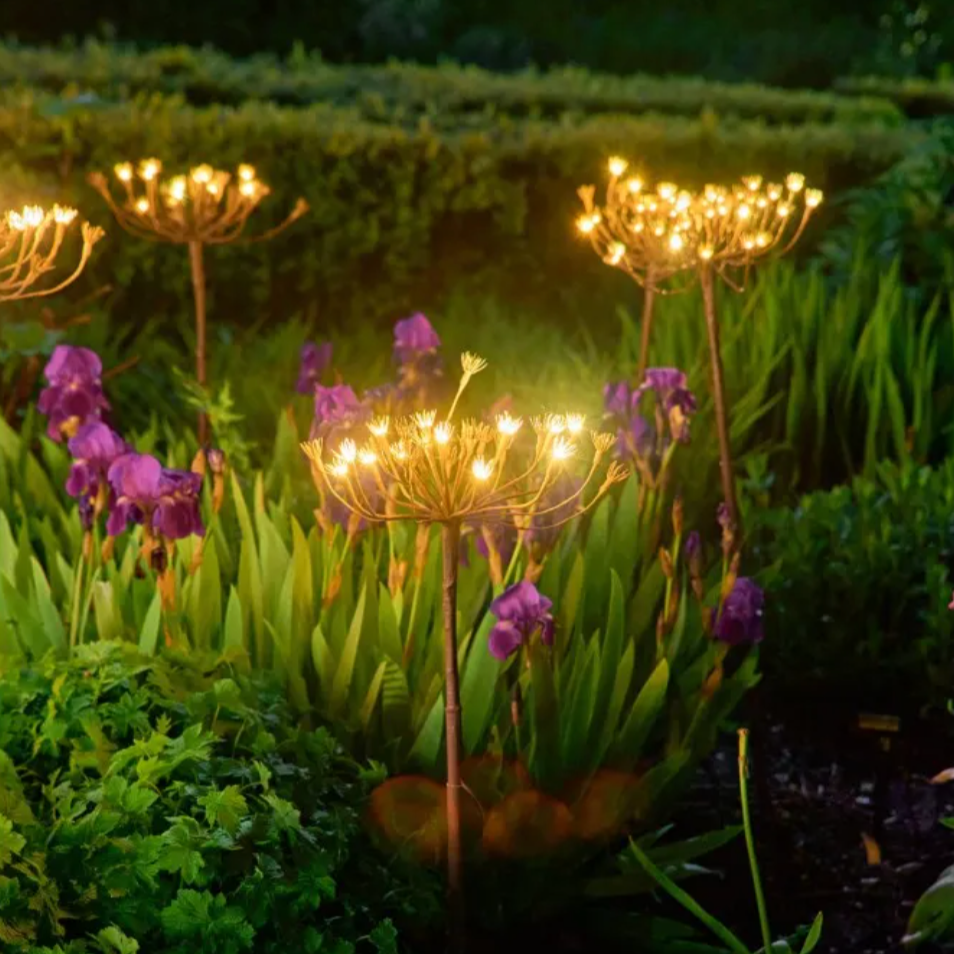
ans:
(508, 425)
(575, 422)
(481, 469)
(562, 449)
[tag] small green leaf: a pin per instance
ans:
(384, 937)
(178, 850)
(112, 939)
(226, 807)
(188, 914)
(814, 935)
(149, 635)
(234, 637)
(341, 686)
(11, 842)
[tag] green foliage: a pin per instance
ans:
(171, 805)
(333, 620)
(858, 583)
(447, 95)
(904, 217)
(825, 379)
(933, 916)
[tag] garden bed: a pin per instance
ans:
(853, 831)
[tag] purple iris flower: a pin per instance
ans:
(336, 404)
(164, 501)
(521, 611)
(315, 360)
(336, 410)
(740, 620)
(673, 395)
(634, 435)
(671, 388)
(413, 337)
(74, 394)
(94, 447)
(637, 438)
(420, 365)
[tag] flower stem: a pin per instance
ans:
(77, 596)
(750, 840)
(707, 280)
(450, 540)
(198, 292)
(649, 298)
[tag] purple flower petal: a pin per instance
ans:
(176, 518)
(522, 601)
(413, 336)
(136, 476)
(637, 439)
(119, 516)
(81, 479)
(315, 360)
(740, 620)
(520, 611)
(616, 399)
(69, 364)
(505, 639)
(98, 443)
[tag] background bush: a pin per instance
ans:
(401, 92)
(805, 45)
(858, 584)
(401, 213)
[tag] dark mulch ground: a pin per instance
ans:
(831, 788)
(825, 789)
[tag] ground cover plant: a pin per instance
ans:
(173, 804)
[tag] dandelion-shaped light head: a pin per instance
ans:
(31, 245)
(439, 470)
(640, 229)
(207, 205)
(657, 233)
(736, 228)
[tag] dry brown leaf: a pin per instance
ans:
(872, 849)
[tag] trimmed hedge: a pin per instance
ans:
(918, 98)
(400, 212)
(205, 76)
